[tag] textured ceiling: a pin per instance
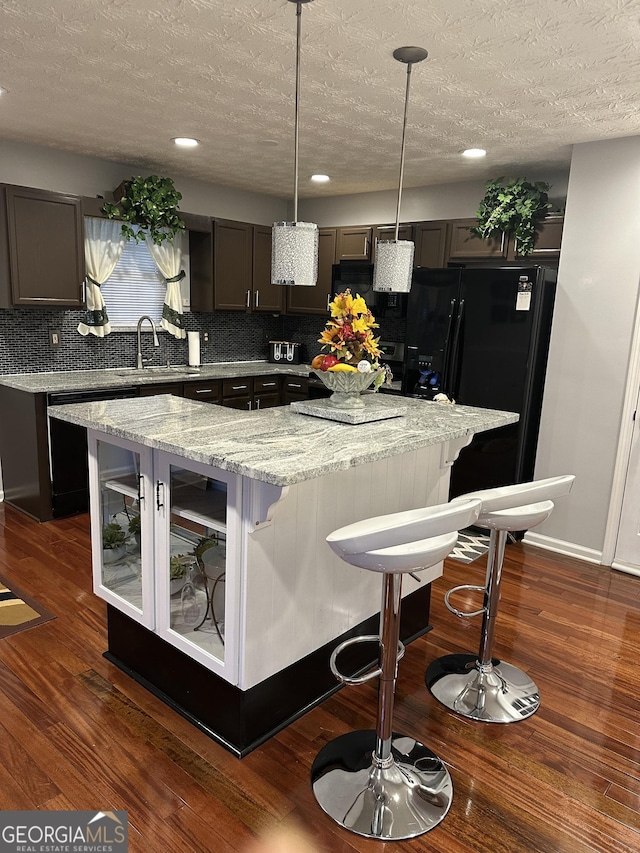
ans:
(117, 79)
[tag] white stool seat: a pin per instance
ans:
(484, 688)
(412, 557)
(412, 533)
(516, 518)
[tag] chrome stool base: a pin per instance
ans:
(501, 693)
(402, 800)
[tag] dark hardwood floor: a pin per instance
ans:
(76, 733)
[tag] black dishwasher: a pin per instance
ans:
(68, 466)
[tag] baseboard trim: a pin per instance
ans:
(627, 569)
(569, 549)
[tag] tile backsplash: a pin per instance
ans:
(233, 336)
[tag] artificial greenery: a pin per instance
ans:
(113, 536)
(151, 204)
(515, 207)
(178, 565)
(134, 524)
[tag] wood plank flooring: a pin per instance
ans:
(76, 733)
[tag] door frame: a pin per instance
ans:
(625, 437)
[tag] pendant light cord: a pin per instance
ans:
(297, 110)
(404, 134)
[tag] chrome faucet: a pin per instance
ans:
(156, 342)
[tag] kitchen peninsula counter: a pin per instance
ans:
(53, 382)
(268, 486)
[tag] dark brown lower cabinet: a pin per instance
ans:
(174, 388)
(206, 392)
(294, 388)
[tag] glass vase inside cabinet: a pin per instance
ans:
(122, 526)
(197, 586)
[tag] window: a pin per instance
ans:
(135, 287)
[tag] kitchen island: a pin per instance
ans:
(242, 647)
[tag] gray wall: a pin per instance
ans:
(61, 171)
(442, 201)
(593, 325)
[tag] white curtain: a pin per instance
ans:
(103, 245)
(168, 258)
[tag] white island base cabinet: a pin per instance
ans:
(242, 647)
(180, 522)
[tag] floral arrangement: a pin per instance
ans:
(349, 337)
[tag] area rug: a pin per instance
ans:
(471, 545)
(19, 611)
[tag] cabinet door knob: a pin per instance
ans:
(140, 488)
(159, 503)
(248, 300)
(256, 299)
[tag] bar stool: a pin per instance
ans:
(482, 687)
(378, 783)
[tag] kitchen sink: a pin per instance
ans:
(162, 371)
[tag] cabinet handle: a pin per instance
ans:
(140, 488)
(257, 404)
(328, 302)
(249, 405)
(256, 299)
(293, 385)
(83, 295)
(159, 503)
(204, 390)
(366, 245)
(268, 384)
(248, 300)
(239, 387)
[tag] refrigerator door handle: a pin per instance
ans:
(447, 346)
(451, 386)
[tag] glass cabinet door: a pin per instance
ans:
(121, 527)
(196, 581)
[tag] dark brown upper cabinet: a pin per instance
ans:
(354, 243)
(239, 277)
(200, 238)
(264, 296)
(431, 239)
(465, 245)
(232, 267)
(41, 249)
(315, 300)
(548, 240)
(388, 232)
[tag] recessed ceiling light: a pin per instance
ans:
(320, 179)
(186, 141)
(474, 152)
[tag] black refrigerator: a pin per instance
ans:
(481, 336)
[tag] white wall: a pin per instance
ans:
(593, 321)
(61, 171)
(442, 201)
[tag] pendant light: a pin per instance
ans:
(394, 258)
(294, 258)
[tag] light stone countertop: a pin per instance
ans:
(277, 445)
(123, 377)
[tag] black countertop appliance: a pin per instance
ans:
(481, 336)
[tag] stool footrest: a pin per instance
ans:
(369, 674)
(462, 613)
